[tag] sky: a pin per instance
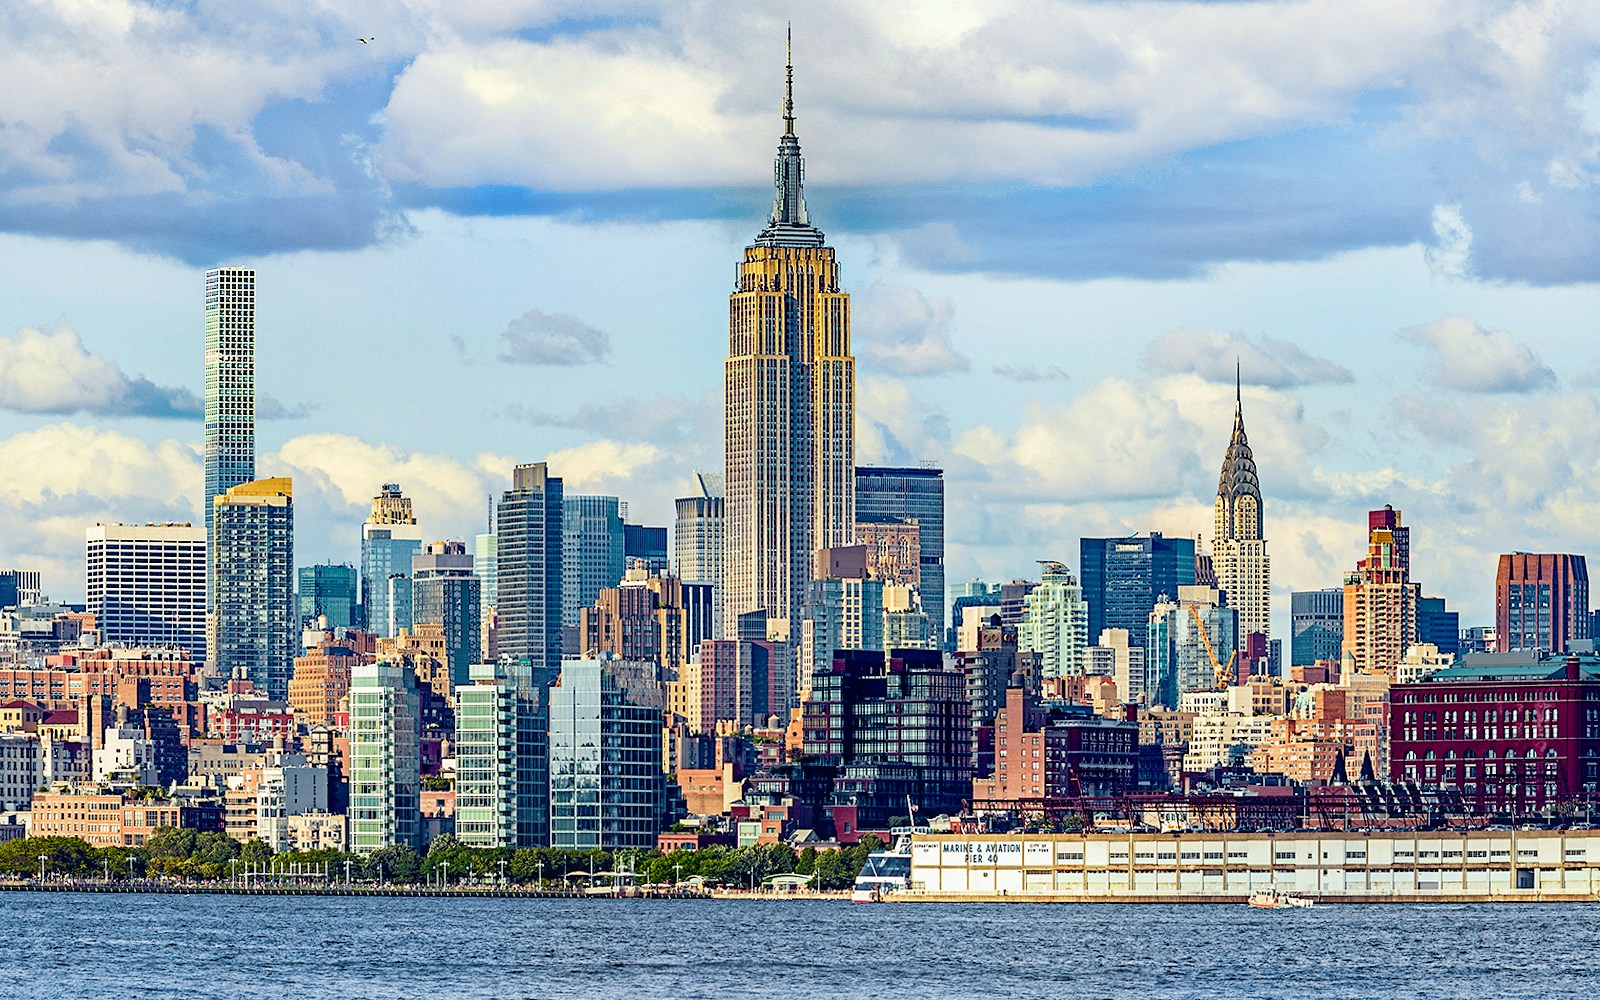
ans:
(504, 231)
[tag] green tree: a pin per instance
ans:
(806, 863)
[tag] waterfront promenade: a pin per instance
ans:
(159, 887)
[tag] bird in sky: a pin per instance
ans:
(365, 41)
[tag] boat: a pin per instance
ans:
(885, 872)
(1273, 899)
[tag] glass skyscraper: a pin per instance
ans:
(390, 538)
(698, 540)
(592, 552)
(445, 592)
(328, 589)
(254, 628)
(528, 542)
(385, 757)
(607, 789)
(502, 756)
(1316, 624)
(230, 406)
(911, 495)
(1123, 578)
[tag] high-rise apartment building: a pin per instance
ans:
(1056, 623)
(145, 585)
(230, 405)
(911, 495)
(1438, 626)
(607, 789)
(390, 538)
(528, 539)
(1316, 621)
(385, 758)
(1541, 601)
(321, 681)
(789, 404)
(254, 630)
(329, 590)
(1380, 600)
(502, 756)
(1115, 656)
(446, 592)
(1124, 577)
(1238, 547)
(592, 552)
(730, 680)
(698, 542)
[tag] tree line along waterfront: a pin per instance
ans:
(196, 856)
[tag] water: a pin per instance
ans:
(308, 948)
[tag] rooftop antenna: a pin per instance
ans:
(788, 84)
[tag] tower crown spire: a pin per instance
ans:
(1239, 465)
(789, 225)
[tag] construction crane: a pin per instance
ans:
(1223, 674)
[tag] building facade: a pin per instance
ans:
(502, 757)
(1380, 599)
(528, 540)
(592, 551)
(230, 405)
(254, 628)
(1541, 601)
(789, 405)
(911, 496)
(1056, 623)
(145, 585)
(607, 787)
(1238, 545)
(445, 592)
(699, 538)
(1316, 620)
(1124, 577)
(330, 591)
(390, 538)
(385, 758)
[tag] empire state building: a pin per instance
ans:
(789, 405)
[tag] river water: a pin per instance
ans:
(308, 948)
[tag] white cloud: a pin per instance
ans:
(50, 371)
(1470, 358)
(541, 338)
(1451, 256)
(899, 330)
(1212, 355)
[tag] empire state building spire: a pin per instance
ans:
(789, 225)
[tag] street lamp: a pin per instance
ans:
(233, 870)
(347, 872)
(502, 871)
(541, 874)
(107, 862)
(445, 882)
(42, 872)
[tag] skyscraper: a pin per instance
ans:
(19, 587)
(390, 538)
(844, 610)
(445, 592)
(1124, 577)
(1380, 600)
(1190, 646)
(1316, 620)
(254, 627)
(642, 543)
(502, 756)
(1239, 550)
(328, 589)
(1541, 601)
(145, 585)
(385, 757)
(528, 541)
(230, 407)
(789, 404)
(1056, 625)
(592, 552)
(698, 539)
(911, 495)
(607, 789)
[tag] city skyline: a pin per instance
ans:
(1481, 431)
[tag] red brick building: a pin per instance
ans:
(1541, 601)
(1515, 735)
